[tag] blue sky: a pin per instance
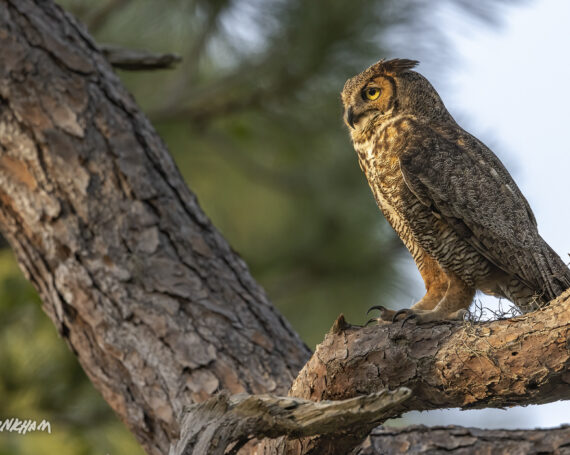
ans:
(509, 86)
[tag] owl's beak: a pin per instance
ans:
(350, 118)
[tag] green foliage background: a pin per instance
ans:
(252, 116)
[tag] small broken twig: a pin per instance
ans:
(137, 60)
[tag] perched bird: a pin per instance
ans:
(449, 198)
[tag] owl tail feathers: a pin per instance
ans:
(554, 273)
(544, 277)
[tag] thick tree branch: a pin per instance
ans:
(522, 360)
(492, 364)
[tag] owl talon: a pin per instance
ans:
(376, 307)
(408, 318)
(406, 311)
(385, 314)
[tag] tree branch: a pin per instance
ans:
(137, 60)
(522, 360)
(419, 440)
(428, 349)
(209, 428)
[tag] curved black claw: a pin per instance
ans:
(370, 320)
(408, 317)
(376, 307)
(406, 311)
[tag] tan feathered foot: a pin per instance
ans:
(451, 307)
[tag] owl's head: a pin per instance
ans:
(386, 89)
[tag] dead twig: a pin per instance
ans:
(137, 60)
(210, 427)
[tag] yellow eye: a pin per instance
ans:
(372, 93)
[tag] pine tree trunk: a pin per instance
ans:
(157, 307)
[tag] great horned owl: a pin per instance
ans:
(449, 198)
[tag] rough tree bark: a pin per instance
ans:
(210, 427)
(454, 364)
(522, 360)
(453, 440)
(159, 310)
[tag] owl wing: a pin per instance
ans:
(473, 192)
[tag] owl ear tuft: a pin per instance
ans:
(394, 66)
